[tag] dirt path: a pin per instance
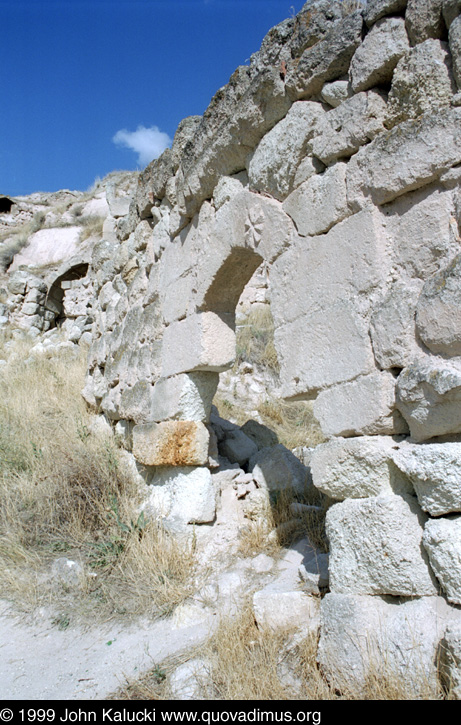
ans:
(40, 662)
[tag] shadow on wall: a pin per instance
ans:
(55, 297)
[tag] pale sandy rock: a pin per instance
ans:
(438, 314)
(136, 402)
(419, 227)
(96, 207)
(332, 347)
(281, 605)
(48, 246)
(408, 157)
(307, 168)
(375, 547)
(325, 60)
(392, 327)
(210, 345)
(422, 82)
(226, 188)
(171, 443)
(365, 406)
(442, 541)
(184, 397)
(376, 9)
(335, 93)
(276, 469)
(429, 396)
(321, 292)
(182, 496)
(424, 20)
(274, 163)
(434, 469)
(342, 131)
(357, 467)
(320, 202)
(361, 633)
(374, 60)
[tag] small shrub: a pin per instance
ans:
(91, 226)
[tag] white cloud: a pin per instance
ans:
(148, 143)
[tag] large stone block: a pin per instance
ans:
(371, 638)
(184, 397)
(407, 157)
(340, 132)
(429, 397)
(422, 82)
(325, 60)
(357, 468)
(323, 347)
(454, 37)
(365, 406)
(200, 342)
(442, 541)
(375, 547)
(438, 314)
(136, 402)
(374, 61)
(419, 226)
(392, 327)
(273, 165)
(376, 9)
(276, 469)
(434, 469)
(182, 496)
(320, 202)
(424, 20)
(171, 443)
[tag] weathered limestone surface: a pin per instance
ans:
(376, 547)
(357, 467)
(442, 541)
(364, 636)
(434, 469)
(407, 157)
(202, 330)
(392, 327)
(374, 60)
(377, 9)
(182, 496)
(429, 396)
(422, 81)
(365, 406)
(320, 202)
(438, 313)
(273, 165)
(171, 443)
(342, 131)
(424, 20)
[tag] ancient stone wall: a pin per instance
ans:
(334, 159)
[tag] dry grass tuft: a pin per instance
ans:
(91, 226)
(245, 662)
(276, 527)
(66, 492)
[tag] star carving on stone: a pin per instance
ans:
(254, 226)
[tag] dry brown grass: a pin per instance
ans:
(277, 527)
(255, 340)
(294, 423)
(245, 662)
(65, 492)
(91, 226)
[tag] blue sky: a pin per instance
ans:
(77, 72)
